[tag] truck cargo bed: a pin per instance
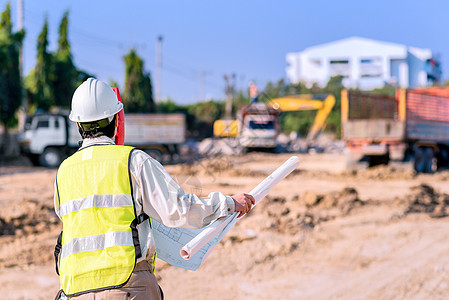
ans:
(145, 129)
(374, 129)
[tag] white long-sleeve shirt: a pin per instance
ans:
(158, 195)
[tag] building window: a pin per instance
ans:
(339, 67)
(42, 124)
(339, 62)
(371, 60)
(370, 67)
(371, 75)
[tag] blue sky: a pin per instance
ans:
(247, 38)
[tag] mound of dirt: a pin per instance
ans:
(290, 216)
(26, 217)
(425, 199)
(214, 166)
(27, 230)
(383, 172)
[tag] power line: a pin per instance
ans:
(109, 68)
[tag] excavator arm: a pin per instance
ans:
(321, 102)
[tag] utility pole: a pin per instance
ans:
(158, 68)
(201, 75)
(229, 90)
(24, 109)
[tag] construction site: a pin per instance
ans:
(333, 229)
(338, 227)
(361, 217)
(344, 160)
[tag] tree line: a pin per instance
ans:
(54, 78)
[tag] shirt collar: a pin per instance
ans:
(101, 140)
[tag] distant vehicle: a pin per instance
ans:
(413, 125)
(49, 138)
(322, 103)
(257, 126)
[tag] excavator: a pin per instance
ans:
(321, 102)
(257, 124)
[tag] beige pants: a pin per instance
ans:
(141, 286)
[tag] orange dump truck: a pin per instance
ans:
(412, 126)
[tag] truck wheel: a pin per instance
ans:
(50, 158)
(443, 159)
(419, 163)
(430, 161)
(155, 153)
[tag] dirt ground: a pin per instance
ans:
(331, 230)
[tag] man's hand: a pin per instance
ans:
(243, 203)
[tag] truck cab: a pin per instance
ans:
(259, 130)
(48, 138)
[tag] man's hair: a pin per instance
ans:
(97, 128)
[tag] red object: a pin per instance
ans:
(120, 136)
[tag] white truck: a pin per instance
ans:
(49, 138)
(256, 127)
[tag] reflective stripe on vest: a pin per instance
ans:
(97, 209)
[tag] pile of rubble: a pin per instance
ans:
(28, 231)
(213, 167)
(290, 216)
(26, 217)
(213, 146)
(424, 199)
(383, 172)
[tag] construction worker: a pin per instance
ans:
(106, 196)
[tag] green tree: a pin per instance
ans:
(43, 88)
(273, 90)
(169, 106)
(138, 96)
(113, 83)
(65, 73)
(334, 87)
(10, 81)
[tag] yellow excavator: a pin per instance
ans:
(257, 125)
(321, 102)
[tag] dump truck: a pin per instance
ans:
(411, 126)
(256, 127)
(48, 138)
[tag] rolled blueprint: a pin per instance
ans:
(259, 192)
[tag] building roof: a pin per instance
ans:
(363, 47)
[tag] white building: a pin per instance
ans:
(364, 64)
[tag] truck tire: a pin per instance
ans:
(50, 158)
(430, 161)
(443, 159)
(425, 160)
(419, 163)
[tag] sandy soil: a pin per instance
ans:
(331, 230)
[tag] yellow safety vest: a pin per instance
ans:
(100, 242)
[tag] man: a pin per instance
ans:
(106, 196)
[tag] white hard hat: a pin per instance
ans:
(94, 100)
